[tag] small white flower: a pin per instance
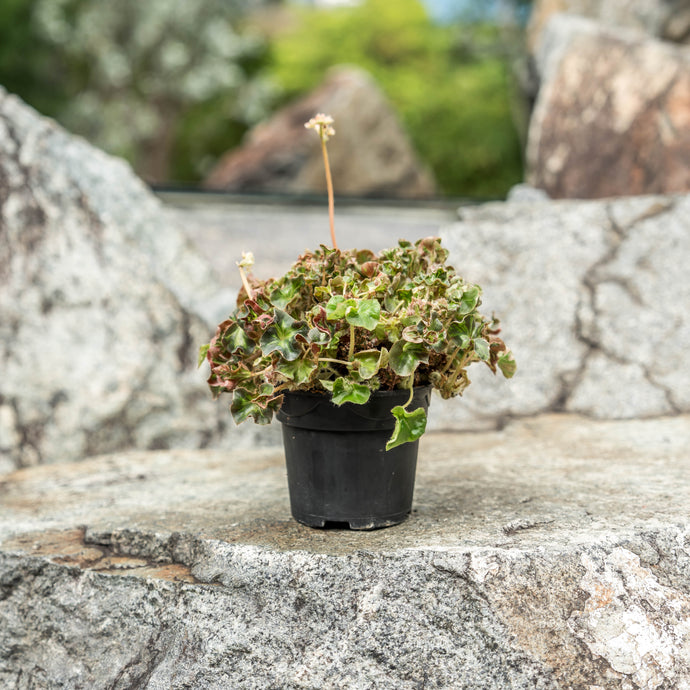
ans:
(322, 124)
(247, 260)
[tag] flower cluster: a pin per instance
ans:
(323, 125)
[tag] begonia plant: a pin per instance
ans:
(349, 322)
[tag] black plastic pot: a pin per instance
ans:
(339, 472)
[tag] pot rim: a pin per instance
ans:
(386, 393)
(318, 411)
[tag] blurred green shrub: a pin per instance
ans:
(164, 83)
(172, 84)
(27, 64)
(449, 84)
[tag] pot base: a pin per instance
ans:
(356, 523)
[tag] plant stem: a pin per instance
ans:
(329, 185)
(450, 360)
(351, 354)
(409, 400)
(335, 361)
(459, 369)
(245, 282)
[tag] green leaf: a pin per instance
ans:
(336, 307)
(281, 336)
(404, 357)
(435, 340)
(391, 303)
(364, 313)
(299, 371)
(202, 354)
(413, 334)
(257, 405)
(409, 426)
(435, 324)
(506, 363)
(410, 320)
(321, 292)
(469, 299)
(284, 294)
(370, 361)
(316, 335)
(481, 347)
(236, 340)
(364, 255)
(459, 334)
(345, 390)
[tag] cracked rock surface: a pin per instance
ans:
(554, 553)
(593, 298)
(100, 298)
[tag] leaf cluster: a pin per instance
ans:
(348, 322)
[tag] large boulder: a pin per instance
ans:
(593, 296)
(550, 554)
(665, 19)
(370, 155)
(611, 116)
(100, 303)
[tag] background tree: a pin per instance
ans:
(171, 85)
(150, 80)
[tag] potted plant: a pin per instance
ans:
(345, 349)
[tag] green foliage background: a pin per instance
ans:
(167, 84)
(26, 62)
(449, 84)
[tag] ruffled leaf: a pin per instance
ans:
(259, 406)
(409, 426)
(459, 334)
(345, 390)
(236, 340)
(412, 334)
(299, 371)
(336, 307)
(282, 295)
(370, 361)
(506, 363)
(405, 357)
(281, 336)
(481, 347)
(316, 335)
(470, 299)
(364, 313)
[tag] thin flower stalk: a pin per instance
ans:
(323, 126)
(247, 262)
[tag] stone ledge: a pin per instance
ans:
(553, 553)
